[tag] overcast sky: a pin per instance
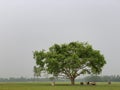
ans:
(29, 25)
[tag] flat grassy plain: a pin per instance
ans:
(58, 86)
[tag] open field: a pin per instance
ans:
(58, 86)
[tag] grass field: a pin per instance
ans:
(58, 86)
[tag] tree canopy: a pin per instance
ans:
(70, 60)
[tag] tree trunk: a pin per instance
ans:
(72, 81)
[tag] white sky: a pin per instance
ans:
(28, 25)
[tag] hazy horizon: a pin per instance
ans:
(29, 25)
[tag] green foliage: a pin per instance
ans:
(70, 60)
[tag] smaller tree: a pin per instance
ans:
(37, 71)
(52, 79)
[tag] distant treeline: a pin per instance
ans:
(23, 79)
(112, 78)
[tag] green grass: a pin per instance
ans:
(58, 86)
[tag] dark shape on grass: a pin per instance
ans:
(93, 83)
(81, 83)
(109, 82)
(88, 83)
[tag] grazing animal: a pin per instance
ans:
(92, 83)
(88, 83)
(109, 82)
(81, 83)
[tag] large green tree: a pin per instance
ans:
(70, 60)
